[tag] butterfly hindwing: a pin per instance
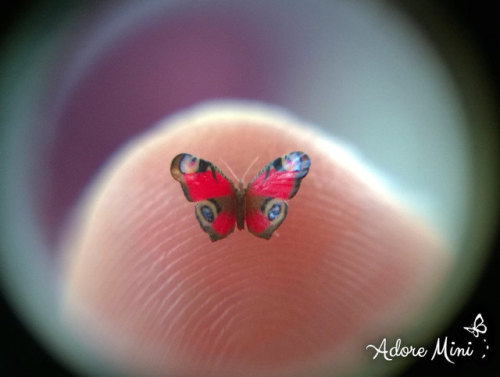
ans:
(214, 194)
(264, 215)
(265, 205)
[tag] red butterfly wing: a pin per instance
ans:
(265, 205)
(214, 193)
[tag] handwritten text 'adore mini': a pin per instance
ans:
(441, 348)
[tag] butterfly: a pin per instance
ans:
(478, 327)
(220, 205)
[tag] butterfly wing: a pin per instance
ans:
(213, 192)
(479, 324)
(265, 197)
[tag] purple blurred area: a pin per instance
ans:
(154, 68)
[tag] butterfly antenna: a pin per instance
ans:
(230, 170)
(249, 167)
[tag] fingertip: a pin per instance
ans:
(346, 258)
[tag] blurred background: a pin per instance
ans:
(460, 31)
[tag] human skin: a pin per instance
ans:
(145, 285)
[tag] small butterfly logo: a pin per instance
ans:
(478, 327)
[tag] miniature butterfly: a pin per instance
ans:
(220, 205)
(478, 327)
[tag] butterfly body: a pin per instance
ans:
(220, 205)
